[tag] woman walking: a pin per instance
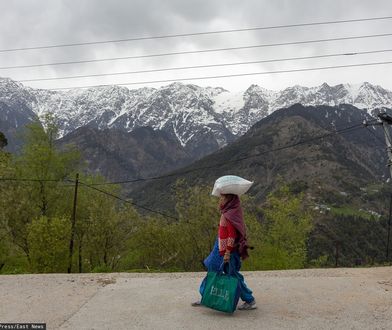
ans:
(230, 247)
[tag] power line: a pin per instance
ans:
(343, 130)
(210, 65)
(35, 180)
(231, 75)
(129, 202)
(347, 129)
(199, 51)
(194, 34)
(87, 185)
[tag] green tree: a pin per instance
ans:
(286, 228)
(41, 161)
(198, 224)
(159, 243)
(9, 199)
(103, 227)
(152, 246)
(48, 240)
(31, 208)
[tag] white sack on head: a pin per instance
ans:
(231, 184)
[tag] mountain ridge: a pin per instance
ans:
(187, 112)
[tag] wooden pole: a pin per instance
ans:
(73, 221)
(389, 227)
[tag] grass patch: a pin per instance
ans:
(350, 211)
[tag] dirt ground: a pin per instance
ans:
(297, 299)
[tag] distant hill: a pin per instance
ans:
(338, 165)
(118, 155)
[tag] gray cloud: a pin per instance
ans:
(45, 22)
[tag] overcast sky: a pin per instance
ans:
(32, 23)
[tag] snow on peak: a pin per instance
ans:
(353, 90)
(184, 110)
(228, 102)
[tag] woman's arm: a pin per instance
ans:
(231, 236)
(227, 236)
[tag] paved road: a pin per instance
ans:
(299, 299)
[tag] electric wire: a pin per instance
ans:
(344, 130)
(92, 186)
(35, 180)
(185, 172)
(129, 202)
(207, 66)
(200, 51)
(229, 75)
(195, 34)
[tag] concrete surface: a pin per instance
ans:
(297, 299)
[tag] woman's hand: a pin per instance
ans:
(226, 257)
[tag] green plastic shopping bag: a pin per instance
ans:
(222, 291)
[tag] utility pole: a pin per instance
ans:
(73, 220)
(389, 227)
(386, 120)
(336, 253)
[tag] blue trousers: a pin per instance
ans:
(213, 263)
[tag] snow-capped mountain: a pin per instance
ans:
(260, 102)
(196, 116)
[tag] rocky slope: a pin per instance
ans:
(118, 155)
